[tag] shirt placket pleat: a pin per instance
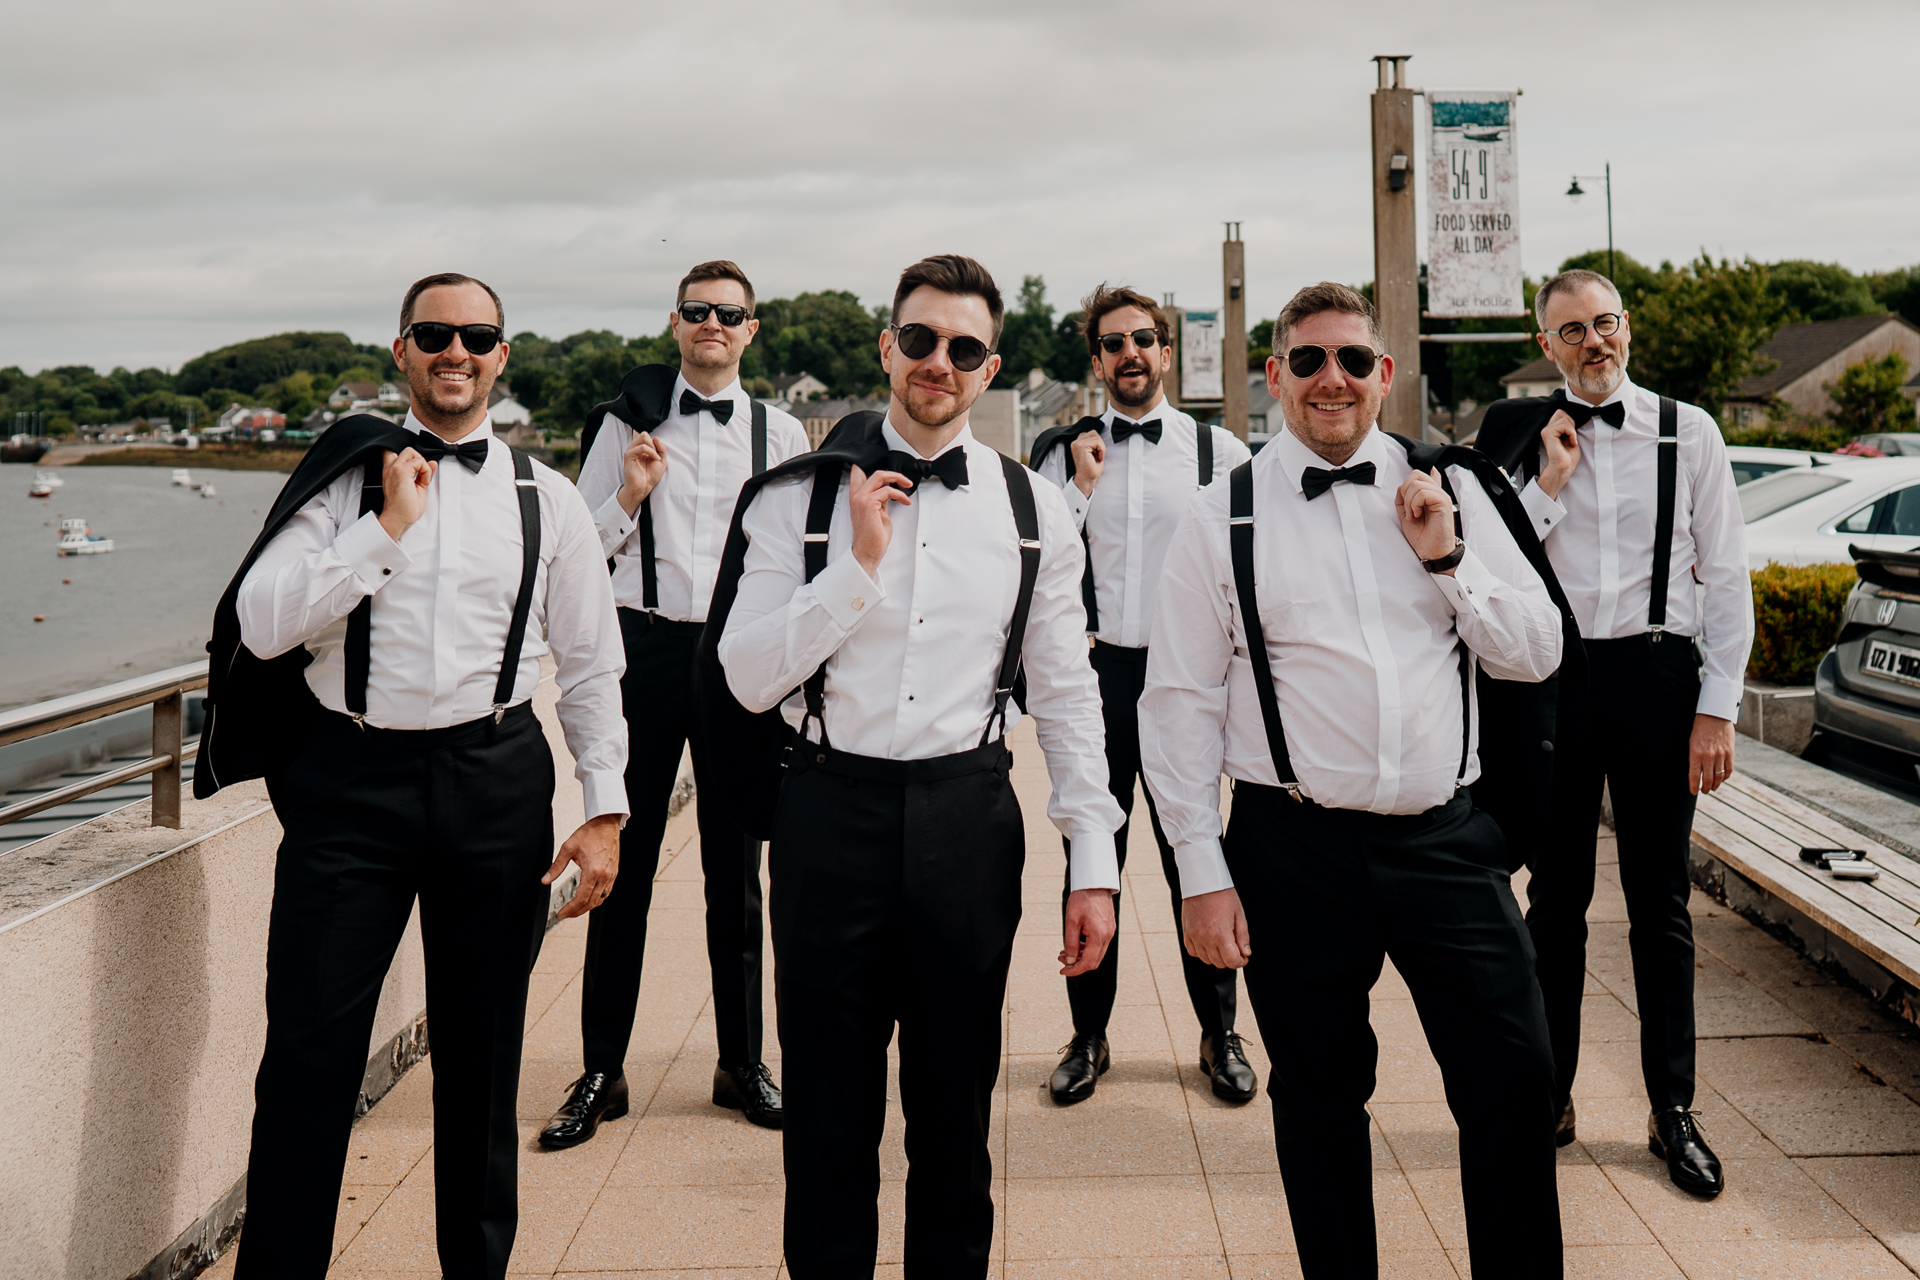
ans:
(1608, 520)
(1136, 552)
(700, 559)
(1373, 629)
(451, 479)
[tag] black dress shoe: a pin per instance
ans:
(1674, 1136)
(749, 1089)
(1086, 1060)
(594, 1097)
(1563, 1133)
(1225, 1063)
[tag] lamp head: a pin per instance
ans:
(1575, 191)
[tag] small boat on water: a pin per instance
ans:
(78, 540)
(49, 478)
(206, 489)
(39, 489)
(182, 478)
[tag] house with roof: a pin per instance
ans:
(1805, 358)
(1541, 377)
(797, 388)
(347, 392)
(1045, 403)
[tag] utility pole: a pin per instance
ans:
(1396, 259)
(1170, 386)
(1233, 344)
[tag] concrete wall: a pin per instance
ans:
(132, 1015)
(995, 419)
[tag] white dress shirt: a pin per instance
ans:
(707, 462)
(912, 660)
(1362, 640)
(1599, 538)
(1143, 491)
(442, 603)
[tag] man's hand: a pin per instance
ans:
(1090, 927)
(1426, 515)
(641, 467)
(867, 499)
(1562, 443)
(405, 477)
(1215, 929)
(595, 849)
(1089, 460)
(1709, 753)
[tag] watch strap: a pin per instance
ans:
(1448, 561)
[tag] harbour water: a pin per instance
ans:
(144, 606)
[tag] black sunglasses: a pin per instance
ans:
(1114, 343)
(731, 314)
(1358, 361)
(917, 342)
(433, 337)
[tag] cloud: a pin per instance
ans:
(186, 175)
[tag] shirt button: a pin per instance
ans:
(909, 697)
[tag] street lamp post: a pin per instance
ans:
(1574, 192)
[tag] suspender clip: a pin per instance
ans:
(1654, 634)
(815, 537)
(1293, 789)
(359, 718)
(499, 712)
(1030, 544)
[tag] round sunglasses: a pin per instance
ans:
(917, 342)
(731, 314)
(433, 337)
(1114, 343)
(1305, 361)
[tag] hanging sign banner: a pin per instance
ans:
(1473, 205)
(1200, 356)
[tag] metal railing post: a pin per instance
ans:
(169, 715)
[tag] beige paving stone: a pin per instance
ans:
(358, 1204)
(681, 1150)
(1592, 1211)
(1764, 1200)
(657, 1228)
(1739, 1067)
(1609, 1069)
(398, 1237)
(1421, 1135)
(1892, 1056)
(1120, 1217)
(1874, 1121)
(1620, 1262)
(1147, 1268)
(1135, 1123)
(383, 1151)
(702, 1273)
(1133, 1029)
(1883, 1192)
(546, 1082)
(1605, 1017)
(1614, 1130)
(1780, 1260)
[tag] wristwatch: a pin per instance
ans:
(1449, 560)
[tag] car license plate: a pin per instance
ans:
(1892, 662)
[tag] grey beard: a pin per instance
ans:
(1594, 390)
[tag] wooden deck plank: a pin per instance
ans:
(1890, 897)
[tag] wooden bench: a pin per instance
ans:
(1758, 832)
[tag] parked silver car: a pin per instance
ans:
(1866, 692)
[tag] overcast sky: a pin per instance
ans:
(185, 175)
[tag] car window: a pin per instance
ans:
(1745, 471)
(1770, 495)
(1905, 519)
(1860, 521)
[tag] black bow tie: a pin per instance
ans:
(472, 454)
(1614, 415)
(1315, 481)
(1124, 427)
(691, 403)
(950, 467)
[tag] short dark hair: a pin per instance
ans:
(448, 278)
(1322, 297)
(1105, 300)
(1567, 282)
(718, 269)
(951, 273)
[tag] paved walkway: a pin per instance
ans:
(1807, 1094)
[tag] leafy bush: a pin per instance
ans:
(1797, 611)
(1784, 428)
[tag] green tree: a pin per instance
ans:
(264, 360)
(827, 334)
(1695, 334)
(1071, 361)
(1820, 290)
(1027, 335)
(1897, 291)
(592, 376)
(1634, 279)
(1867, 396)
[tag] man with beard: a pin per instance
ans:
(1319, 618)
(662, 484)
(1631, 494)
(426, 596)
(897, 841)
(1160, 458)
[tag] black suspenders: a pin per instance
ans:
(359, 649)
(1204, 450)
(1240, 540)
(1668, 479)
(1026, 522)
(649, 572)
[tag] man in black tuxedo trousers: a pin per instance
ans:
(1632, 497)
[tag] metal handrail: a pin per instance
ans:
(166, 691)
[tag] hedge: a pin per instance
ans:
(1797, 612)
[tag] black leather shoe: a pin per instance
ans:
(1563, 1133)
(1674, 1136)
(749, 1089)
(1086, 1060)
(1225, 1063)
(594, 1097)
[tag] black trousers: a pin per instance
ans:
(663, 716)
(461, 818)
(1212, 992)
(1328, 893)
(894, 902)
(1625, 727)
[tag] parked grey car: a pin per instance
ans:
(1866, 692)
(1897, 444)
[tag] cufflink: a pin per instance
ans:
(385, 572)
(858, 604)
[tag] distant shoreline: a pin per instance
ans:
(212, 457)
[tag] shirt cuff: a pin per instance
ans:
(1719, 696)
(370, 553)
(615, 526)
(1470, 580)
(1092, 862)
(846, 592)
(1077, 503)
(1203, 868)
(1544, 512)
(605, 793)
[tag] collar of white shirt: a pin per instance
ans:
(482, 432)
(732, 391)
(1619, 393)
(895, 440)
(1295, 457)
